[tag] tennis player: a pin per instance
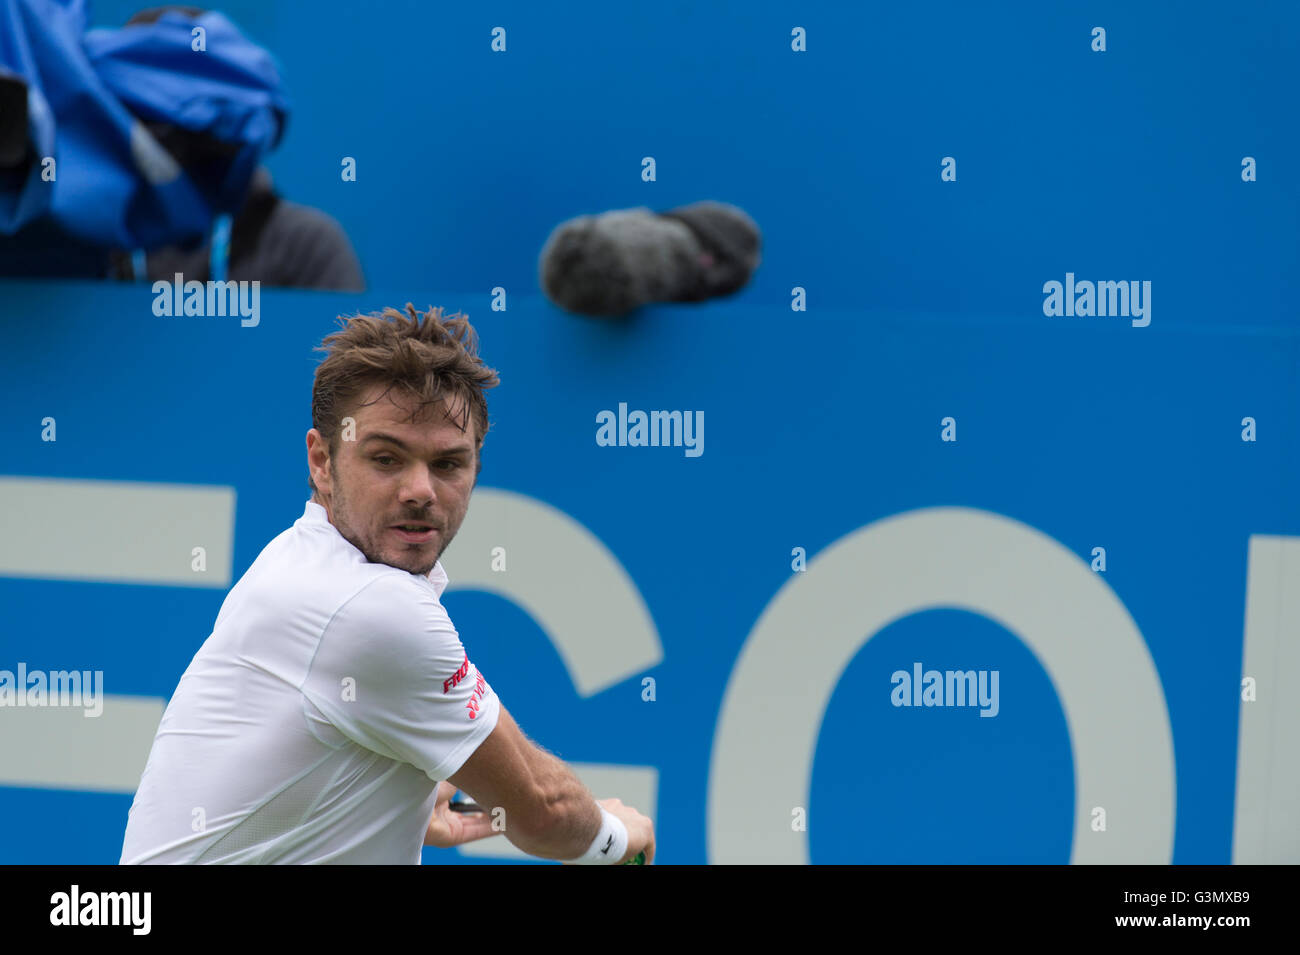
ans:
(333, 711)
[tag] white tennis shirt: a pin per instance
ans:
(316, 720)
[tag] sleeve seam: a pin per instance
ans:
(303, 698)
(439, 772)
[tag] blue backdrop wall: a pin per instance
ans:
(1117, 164)
(1068, 437)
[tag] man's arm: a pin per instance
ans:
(548, 811)
(420, 701)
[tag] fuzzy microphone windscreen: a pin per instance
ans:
(610, 264)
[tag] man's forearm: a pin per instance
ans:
(572, 818)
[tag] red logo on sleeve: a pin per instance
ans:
(449, 683)
(476, 699)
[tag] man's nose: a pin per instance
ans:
(417, 486)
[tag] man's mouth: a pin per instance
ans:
(415, 532)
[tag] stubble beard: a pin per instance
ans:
(342, 523)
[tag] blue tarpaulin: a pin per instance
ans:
(90, 98)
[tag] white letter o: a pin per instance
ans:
(954, 557)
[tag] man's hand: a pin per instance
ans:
(448, 829)
(640, 830)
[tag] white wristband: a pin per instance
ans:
(610, 844)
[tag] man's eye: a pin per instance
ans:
(454, 464)
(384, 460)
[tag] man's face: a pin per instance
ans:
(396, 472)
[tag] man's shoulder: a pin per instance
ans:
(306, 247)
(385, 604)
(307, 564)
(391, 628)
(386, 591)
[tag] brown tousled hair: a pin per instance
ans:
(426, 356)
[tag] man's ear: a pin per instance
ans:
(318, 460)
